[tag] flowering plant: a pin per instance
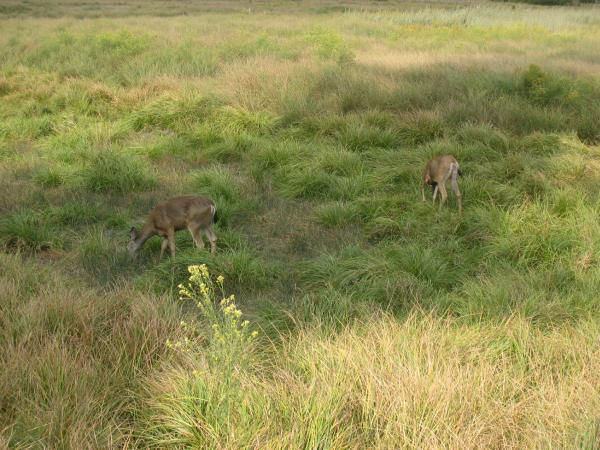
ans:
(228, 336)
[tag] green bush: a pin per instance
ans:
(545, 88)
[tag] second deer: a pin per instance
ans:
(437, 172)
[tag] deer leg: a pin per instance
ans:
(171, 239)
(163, 247)
(435, 191)
(444, 194)
(195, 232)
(212, 238)
(456, 191)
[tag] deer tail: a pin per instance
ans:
(215, 216)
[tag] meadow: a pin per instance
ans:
(362, 317)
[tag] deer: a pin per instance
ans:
(437, 172)
(194, 213)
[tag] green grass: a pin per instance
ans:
(383, 322)
(111, 172)
(27, 229)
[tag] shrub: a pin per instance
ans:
(545, 88)
(329, 45)
(228, 336)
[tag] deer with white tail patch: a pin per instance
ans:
(437, 172)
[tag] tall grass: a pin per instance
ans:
(71, 356)
(420, 382)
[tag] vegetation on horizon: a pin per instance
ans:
(383, 321)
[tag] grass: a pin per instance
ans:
(383, 322)
(111, 172)
(420, 382)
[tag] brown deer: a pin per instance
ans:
(194, 213)
(437, 172)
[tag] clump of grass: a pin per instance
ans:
(226, 189)
(110, 171)
(541, 144)
(232, 121)
(485, 137)
(303, 182)
(172, 114)
(99, 55)
(328, 308)
(530, 236)
(77, 212)
(170, 146)
(420, 129)
(330, 45)
(264, 160)
(372, 275)
(545, 296)
(232, 149)
(29, 127)
(544, 88)
(359, 137)
(335, 214)
(217, 182)
(29, 230)
(49, 178)
(335, 175)
(241, 265)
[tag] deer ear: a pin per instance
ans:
(133, 233)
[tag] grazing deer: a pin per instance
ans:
(436, 174)
(194, 213)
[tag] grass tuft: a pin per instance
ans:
(118, 173)
(28, 230)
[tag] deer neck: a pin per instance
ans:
(145, 233)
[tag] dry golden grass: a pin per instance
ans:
(423, 382)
